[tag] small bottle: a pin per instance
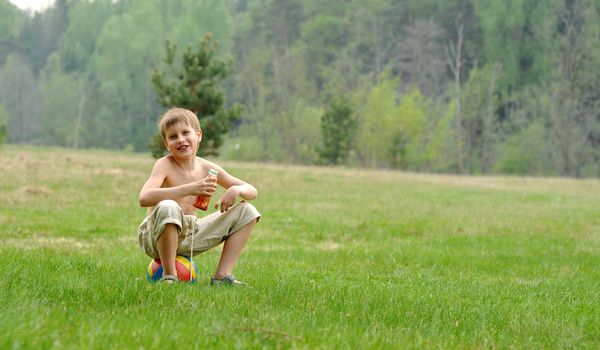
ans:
(202, 201)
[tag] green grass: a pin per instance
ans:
(341, 259)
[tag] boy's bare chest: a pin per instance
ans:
(177, 178)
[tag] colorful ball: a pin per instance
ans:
(186, 269)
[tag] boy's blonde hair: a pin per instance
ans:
(177, 115)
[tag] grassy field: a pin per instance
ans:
(350, 259)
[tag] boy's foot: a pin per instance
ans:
(227, 281)
(169, 279)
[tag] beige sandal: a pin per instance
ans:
(169, 279)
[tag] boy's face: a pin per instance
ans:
(182, 140)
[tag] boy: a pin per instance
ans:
(170, 191)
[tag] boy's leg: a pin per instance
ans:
(167, 249)
(232, 248)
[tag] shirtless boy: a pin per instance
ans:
(170, 192)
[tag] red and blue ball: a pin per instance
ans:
(186, 269)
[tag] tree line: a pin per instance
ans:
(458, 86)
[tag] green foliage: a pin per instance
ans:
(324, 36)
(3, 120)
(574, 114)
(191, 19)
(529, 146)
(125, 54)
(11, 23)
(62, 93)
(86, 20)
(18, 87)
(42, 32)
(480, 127)
(298, 130)
(511, 35)
(391, 130)
(86, 65)
(196, 87)
(247, 149)
(408, 142)
(525, 152)
(338, 126)
(288, 137)
(439, 155)
(377, 110)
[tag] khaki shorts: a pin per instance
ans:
(208, 231)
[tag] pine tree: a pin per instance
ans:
(196, 87)
(338, 126)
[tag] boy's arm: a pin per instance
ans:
(151, 192)
(235, 188)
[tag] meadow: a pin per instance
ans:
(342, 258)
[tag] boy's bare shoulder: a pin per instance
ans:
(166, 166)
(165, 162)
(207, 164)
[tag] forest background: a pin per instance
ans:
(455, 86)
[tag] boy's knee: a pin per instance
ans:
(167, 212)
(248, 208)
(167, 208)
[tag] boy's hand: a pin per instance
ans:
(204, 187)
(228, 199)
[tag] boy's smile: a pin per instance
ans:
(182, 139)
(183, 148)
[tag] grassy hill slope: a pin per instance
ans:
(341, 259)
